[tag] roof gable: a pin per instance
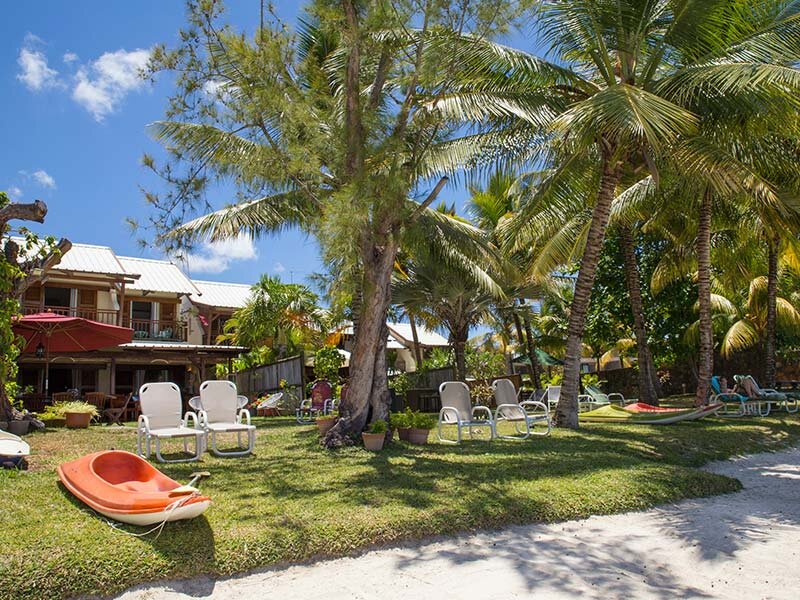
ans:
(158, 276)
(222, 295)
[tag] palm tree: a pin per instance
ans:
(636, 75)
(326, 130)
(278, 315)
(442, 295)
(487, 208)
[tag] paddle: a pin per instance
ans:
(189, 487)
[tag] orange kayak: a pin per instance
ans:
(127, 488)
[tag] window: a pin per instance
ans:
(141, 311)
(57, 296)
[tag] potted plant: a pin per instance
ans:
(376, 436)
(402, 422)
(325, 423)
(51, 418)
(78, 414)
(421, 426)
(18, 426)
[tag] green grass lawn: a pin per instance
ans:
(294, 500)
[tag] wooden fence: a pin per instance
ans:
(267, 378)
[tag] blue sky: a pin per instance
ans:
(74, 117)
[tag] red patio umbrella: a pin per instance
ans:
(49, 332)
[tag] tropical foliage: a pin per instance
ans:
(670, 126)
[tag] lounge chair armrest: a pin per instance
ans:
(192, 415)
(305, 404)
(585, 398)
(613, 395)
(243, 413)
(449, 410)
(482, 409)
(535, 404)
(727, 397)
(770, 391)
(509, 407)
(144, 423)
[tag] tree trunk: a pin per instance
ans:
(648, 379)
(772, 313)
(415, 339)
(567, 409)
(380, 398)
(705, 366)
(378, 263)
(531, 347)
(459, 340)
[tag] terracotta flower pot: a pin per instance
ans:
(18, 427)
(402, 433)
(325, 425)
(418, 436)
(78, 420)
(374, 441)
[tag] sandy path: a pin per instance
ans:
(743, 545)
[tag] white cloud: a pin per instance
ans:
(278, 268)
(70, 57)
(15, 192)
(216, 257)
(44, 179)
(103, 84)
(34, 70)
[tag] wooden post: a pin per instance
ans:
(112, 376)
(121, 310)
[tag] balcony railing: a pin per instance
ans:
(109, 317)
(159, 330)
(143, 329)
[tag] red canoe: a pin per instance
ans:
(127, 488)
(644, 407)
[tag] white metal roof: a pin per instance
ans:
(222, 295)
(400, 336)
(82, 258)
(402, 332)
(86, 258)
(158, 276)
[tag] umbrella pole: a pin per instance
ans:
(47, 367)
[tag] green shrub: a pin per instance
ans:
(423, 421)
(379, 426)
(60, 409)
(398, 420)
(327, 362)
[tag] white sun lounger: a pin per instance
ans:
(221, 412)
(458, 410)
(509, 408)
(160, 404)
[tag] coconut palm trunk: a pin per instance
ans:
(648, 379)
(705, 366)
(567, 409)
(772, 312)
(459, 336)
(535, 376)
(415, 340)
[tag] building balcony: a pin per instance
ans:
(143, 329)
(109, 317)
(158, 330)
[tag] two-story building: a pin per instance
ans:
(175, 326)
